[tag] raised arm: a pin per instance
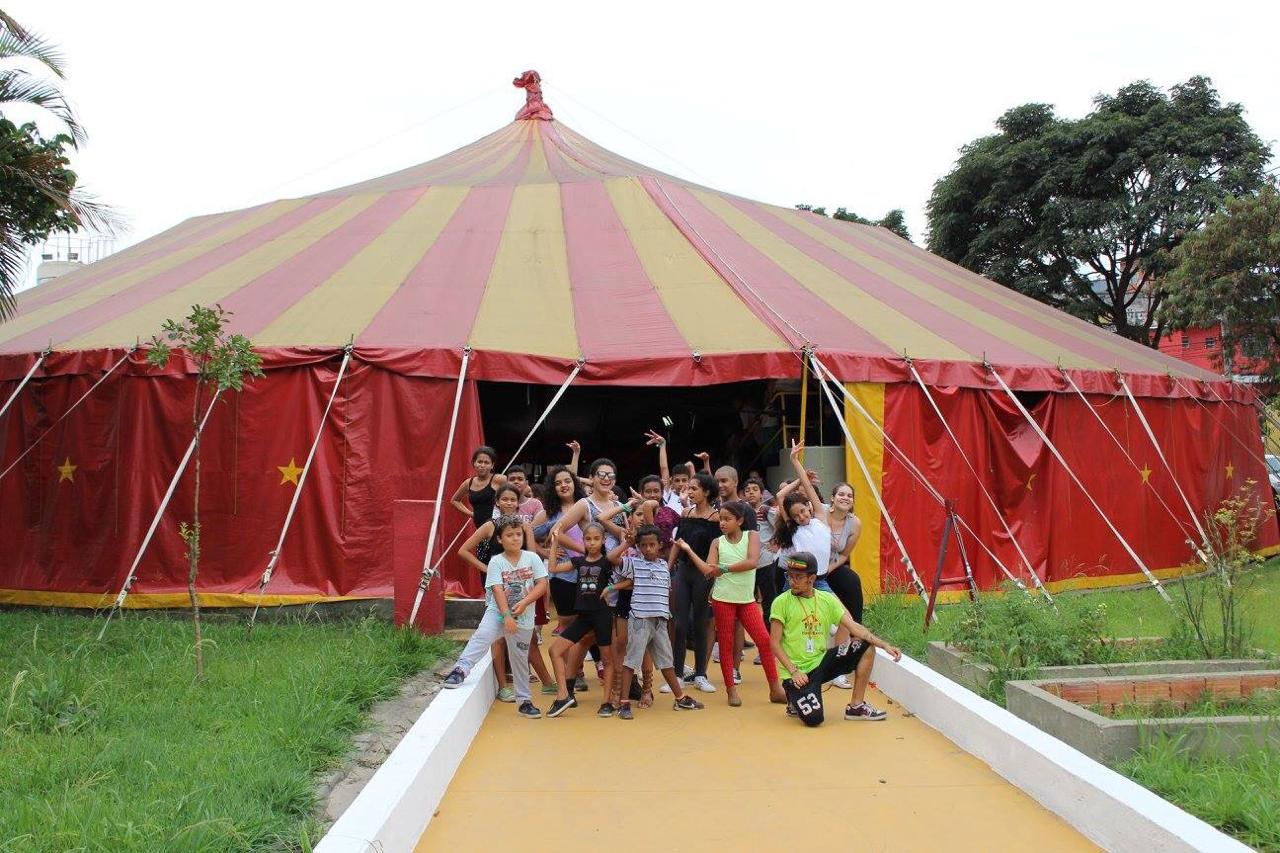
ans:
(706, 460)
(663, 470)
(815, 500)
(573, 460)
(468, 550)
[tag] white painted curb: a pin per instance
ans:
(1110, 810)
(393, 809)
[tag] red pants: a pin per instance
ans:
(749, 614)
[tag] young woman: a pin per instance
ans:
(481, 488)
(477, 551)
(563, 493)
(803, 524)
(845, 530)
(731, 564)
(691, 590)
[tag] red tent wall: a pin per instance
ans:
(1214, 448)
(79, 532)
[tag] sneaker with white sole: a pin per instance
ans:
(506, 694)
(687, 703)
(842, 682)
(737, 676)
(665, 688)
(687, 678)
(757, 660)
(454, 679)
(559, 706)
(863, 711)
(701, 682)
(528, 710)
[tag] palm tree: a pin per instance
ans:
(27, 171)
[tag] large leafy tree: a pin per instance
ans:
(895, 220)
(38, 193)
(1083, 214)
(1229, 272)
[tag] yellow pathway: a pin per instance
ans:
(724, 778)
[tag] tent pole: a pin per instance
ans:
(1155, 582)
(71, 409)
(23, 383)
(427, 572)
(564, 386)
(866, 474)
(155, 521)
(274, 556)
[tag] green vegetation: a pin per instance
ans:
(113, 746)
(1240, 795)
(1260, 704)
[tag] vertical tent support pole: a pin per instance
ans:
(274, 556)
(866, 474)
(70, 409)
(155, 521)
(444, 472)
(23, 383)
(1155, 582)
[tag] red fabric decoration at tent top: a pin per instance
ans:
(534, 108)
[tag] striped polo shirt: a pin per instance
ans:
(651, 593)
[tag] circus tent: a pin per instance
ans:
(536, 251)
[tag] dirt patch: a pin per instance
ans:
(388, 721)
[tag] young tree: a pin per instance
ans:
(1229, 271)
(1083, 214)
(222, 361)
(38, 194)
(895, 220)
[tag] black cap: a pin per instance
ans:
(801, 561)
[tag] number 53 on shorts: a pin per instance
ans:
(808, 703)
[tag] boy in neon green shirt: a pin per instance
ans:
(800, 621)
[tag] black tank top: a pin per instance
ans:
(482, 502)
(699, 533)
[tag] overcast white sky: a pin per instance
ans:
(193, 109)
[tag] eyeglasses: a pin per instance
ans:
(606, 475)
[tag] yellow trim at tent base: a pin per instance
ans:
(159, 600)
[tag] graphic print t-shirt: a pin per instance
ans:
(592, 578)
(806, 624)
(516, 581)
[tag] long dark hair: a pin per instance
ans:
(738, 509)
(550, 485)
(784, 533)
(706, 482)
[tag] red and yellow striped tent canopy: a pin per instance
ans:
(537, 248)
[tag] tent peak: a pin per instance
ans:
(534, 108)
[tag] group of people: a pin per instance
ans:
(688, 559)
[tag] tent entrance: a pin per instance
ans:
(739, 423)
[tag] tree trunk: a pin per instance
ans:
(193, 543)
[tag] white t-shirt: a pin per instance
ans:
(671, 499)
(814, 537)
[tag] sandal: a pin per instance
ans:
(646, 699)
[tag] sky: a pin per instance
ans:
(838, 104)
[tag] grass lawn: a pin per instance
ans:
(111, 746)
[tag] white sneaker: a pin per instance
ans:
(665, 688)
(737, 677)
(703, 684)
(715, 652)
(842, 682)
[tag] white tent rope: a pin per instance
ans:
(915, 470)
(564, 386)
(155, 521)
(427, 571)
(1125, 451)
(974, 471)
(875, 492)
(297, 492)
(1204, 537)
(23, 383)
(51, 428)
(1072, 474)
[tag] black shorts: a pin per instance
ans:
(598, 619)
(563, 594)
(807, 700)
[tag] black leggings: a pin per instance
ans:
(767, 586)
(691, 605)
(847, 586)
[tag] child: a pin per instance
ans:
(800, 621)
(655, 511)
(732, 562)
(516, 579)
(649, 578)
(593, 615)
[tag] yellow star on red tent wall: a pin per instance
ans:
(66, 471)
(1145, 472)
(1231, 471)
(289, 473)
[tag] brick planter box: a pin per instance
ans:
(963, 669)
(1059, 706)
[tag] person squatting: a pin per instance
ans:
(689, 560)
